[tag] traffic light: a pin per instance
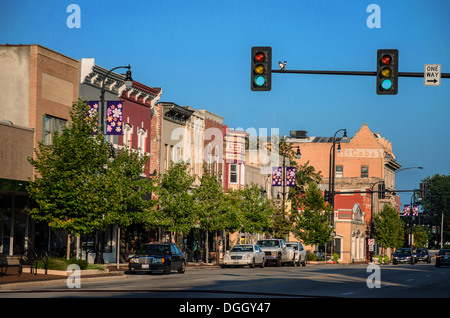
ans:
(423, 190)
(327, 196)
(261, 72)
(387, 72)
(381, 189)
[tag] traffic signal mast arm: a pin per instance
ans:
(360, 73)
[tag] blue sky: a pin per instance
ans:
(199, 53)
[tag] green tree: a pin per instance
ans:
(283, 220)
(79, 187)
(388, 227)
(69, 176)
(129, 195)
(422, 235)
(177, 208)
(437, 202)
(312, 221)
(256, 211)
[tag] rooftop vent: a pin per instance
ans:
(298, 134)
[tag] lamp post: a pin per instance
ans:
(332, 172)
(128, 84)
(371, 214)
(284, 153)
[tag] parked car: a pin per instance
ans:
(275, 251)
(423, 255)
(299, 253)
(163, 257)
(244, 254)
(403, 255)
(443, 257)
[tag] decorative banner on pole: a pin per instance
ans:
(407, 209)
(290, 177)
(114, 112)
(415, 210)
(93, 112)
(277, 176)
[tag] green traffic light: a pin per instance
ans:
(386, 84)
(260, 80)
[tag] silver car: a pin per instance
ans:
(244, 254)
(299, 253)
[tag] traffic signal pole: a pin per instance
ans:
(357, 73)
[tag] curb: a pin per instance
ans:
(60, 281)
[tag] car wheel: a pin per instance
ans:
(252, 264)
(263, 263)
(279, 261)
(304, 262)
(167, 270)
(182, 269)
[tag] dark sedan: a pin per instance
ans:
(161, 257)
(423, 255)
(403, 255)
(443, 257)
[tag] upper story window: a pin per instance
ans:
(51, 125)
(127, 135)
(142, 140)
(233, 173)
(339, 171)
(364, 171)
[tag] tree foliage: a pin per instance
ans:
(177, 208)
(79, 187)
(388, 227)
(312, 221)
(437, 202)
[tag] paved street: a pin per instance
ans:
(343, 281)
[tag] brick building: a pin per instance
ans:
(361, 163)
(38, 88)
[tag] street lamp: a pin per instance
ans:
(408, 168)
(284, 153)
(332, 172)
(128, 84)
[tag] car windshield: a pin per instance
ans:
(269, 243)
(242, 248)
(402, 251)
(156, 249)
(293, 245)
(421, 251)
(444, 252)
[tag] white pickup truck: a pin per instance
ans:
(276, 251)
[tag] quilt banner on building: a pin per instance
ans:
(290, 177)
(277, 176)
(93, 112)
(406, 209)
(114, 112)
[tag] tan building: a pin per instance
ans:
(362, 162)
(38, 88)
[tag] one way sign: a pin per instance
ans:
(432, 75)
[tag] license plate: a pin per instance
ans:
(145, 266)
